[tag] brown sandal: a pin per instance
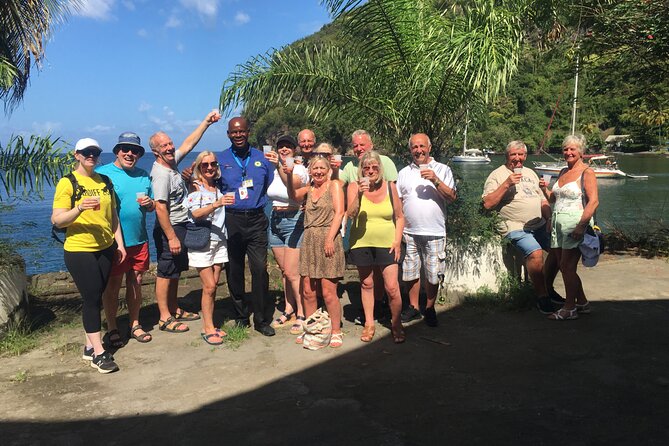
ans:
(367, 333)
(171, 325)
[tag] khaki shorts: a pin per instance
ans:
(563, 224)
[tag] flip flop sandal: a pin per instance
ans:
(221, 333)
(114, 339)
(171, 325)
(207, 338)
(143, 338)
(183, 315)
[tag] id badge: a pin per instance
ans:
(247, 183)
(243, 193)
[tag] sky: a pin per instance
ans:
(149, 65)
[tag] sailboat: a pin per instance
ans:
(604, 166)
(470, 156)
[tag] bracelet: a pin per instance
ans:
(79, 208)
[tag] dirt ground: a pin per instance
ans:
(488, 378)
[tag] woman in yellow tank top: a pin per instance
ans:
(375, 238)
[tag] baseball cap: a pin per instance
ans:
(85, 143)
(590, 248)
(287, 138)
(128, 139)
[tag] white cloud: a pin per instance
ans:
(130, 6)
(142, 33)
(242, 18)
(99, 128)
(46, 128)
(207, 8)
(95, 9)
(144, 106)
(173, 22)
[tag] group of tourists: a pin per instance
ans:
(395, 224)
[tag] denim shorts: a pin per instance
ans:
(529, 241)
(286, 229)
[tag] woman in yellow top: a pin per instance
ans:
(93, 239)
(375, 238)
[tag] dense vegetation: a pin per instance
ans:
(622, 47)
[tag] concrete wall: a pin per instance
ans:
(13, 295)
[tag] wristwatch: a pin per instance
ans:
(79, 207)
(437, 183)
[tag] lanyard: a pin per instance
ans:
(239, 163)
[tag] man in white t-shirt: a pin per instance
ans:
(513, 191)
(425, 187)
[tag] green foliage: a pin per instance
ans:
(29, 167)
(469, 225)
(512, 295)
(400, 66)
(18, 338)
(26, 26)
(236, 336)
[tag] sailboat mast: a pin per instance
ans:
(573, 111)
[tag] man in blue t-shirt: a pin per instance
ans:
(246, 172)
(132, 187)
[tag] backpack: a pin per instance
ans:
(77, 192)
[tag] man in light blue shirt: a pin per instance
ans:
(132, 187)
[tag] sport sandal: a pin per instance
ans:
(564, 315)
(171, 325)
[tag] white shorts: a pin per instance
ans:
(216, 254)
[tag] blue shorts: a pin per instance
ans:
(286, 229)
(529, 241)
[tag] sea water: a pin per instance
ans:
(624, 203)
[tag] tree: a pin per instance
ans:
(25, 25)
(404, 66)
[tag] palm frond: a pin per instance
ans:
(25, 26)
(29, 167)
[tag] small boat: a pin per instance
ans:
(604, 166)
(471, 156)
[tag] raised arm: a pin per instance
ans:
(191, 141)
(492, 199)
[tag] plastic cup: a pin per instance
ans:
(337, 157)
(97, 205)
(546, 178)
(518, 170)
(140, 196)
(298, 159)
(231, 194)
(290, 162)
(364, 180)
(266, 149)
(423, 167)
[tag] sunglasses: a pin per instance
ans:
(213, 165)
(86, 153)
(133, 150)
(323, 154)
(285, 145)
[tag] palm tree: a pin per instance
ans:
(25, 25)
(405, 65)
(28, 166)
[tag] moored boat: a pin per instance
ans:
(470, 156)
(604, 166)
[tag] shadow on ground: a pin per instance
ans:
(501, 378)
